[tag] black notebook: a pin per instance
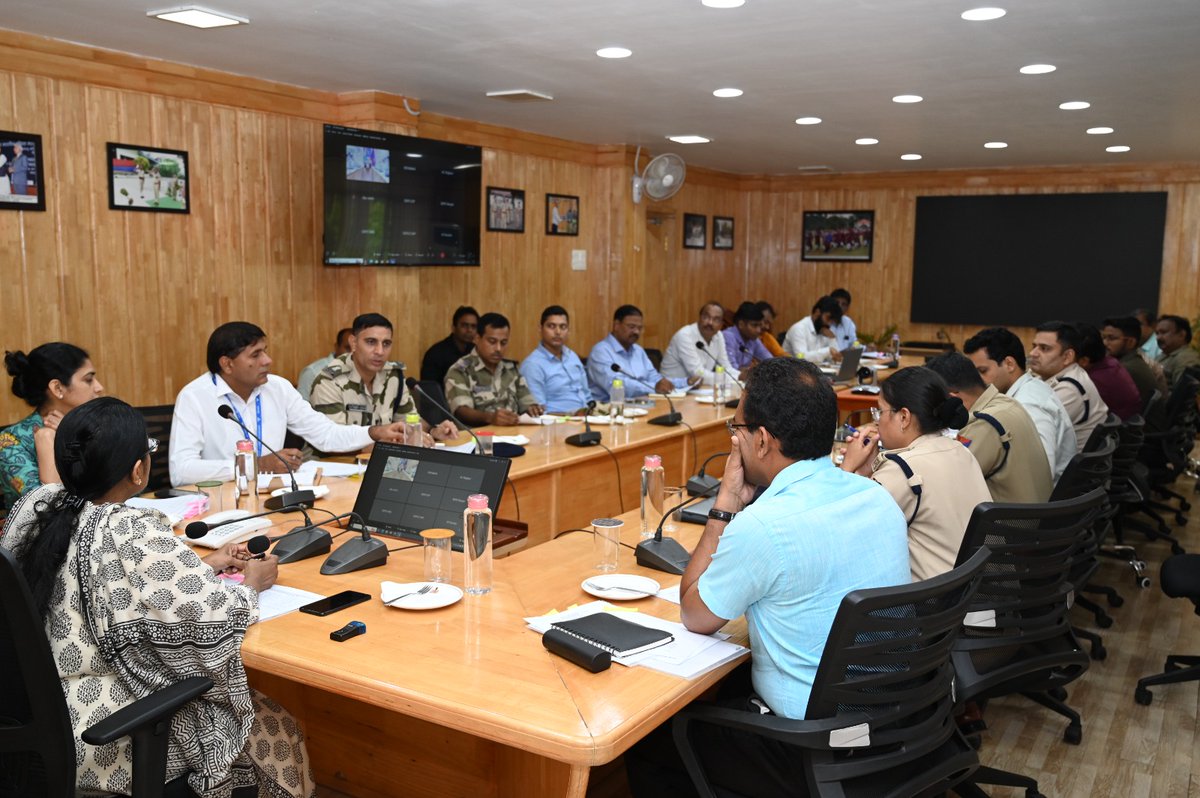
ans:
(617, 636)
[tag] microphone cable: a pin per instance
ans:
(562, 532)
(403, 548)
(516, 498)
(617, 464)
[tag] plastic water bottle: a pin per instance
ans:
(653, 493)
(413, 434)
(245, 474)
(719, 388)
(477, 545)
(896, 347)
(616, 400)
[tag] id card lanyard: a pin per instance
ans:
(242, 423)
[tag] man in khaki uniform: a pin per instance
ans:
(1001, 434)
(1056, 345)
(1175, 339)
(364, 387)
(485, 388)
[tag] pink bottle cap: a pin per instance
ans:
(245, 446)
(653, 461)
(481, 433)
(477, 501)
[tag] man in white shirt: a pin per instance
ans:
(686, 360)
(813, 337)
(310, 372)
(1052, 357)
(239, 375)
(999, 356)
(844, 330)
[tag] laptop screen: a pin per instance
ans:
(407, 489)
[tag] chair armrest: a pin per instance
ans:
(147, 711)
(813, 734)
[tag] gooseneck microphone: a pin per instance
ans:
(293, 498)
(732, 402)
(414, 385)
(701, 484)
(588, 437)
(666, 420)
(663, 553)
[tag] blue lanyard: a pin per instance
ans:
(257, 412)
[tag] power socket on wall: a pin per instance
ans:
(579, 260)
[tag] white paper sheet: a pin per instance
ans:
(176, 508)
(280, 600)
(307, 472)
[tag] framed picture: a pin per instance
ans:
(695, 231)
(147, 179)
(22, 187)
(722, 232)
(562, 215)
(838, 235)
(506, 210)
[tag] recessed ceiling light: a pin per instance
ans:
(1099, 131)
(723, 3)
(907, 98)
(1117, 148)
(866, 141)
(809, 120)
(414, 155)
(198, 17)
(689, 139)
(995, 145)
(728, 93)
(1038, 69)
(1074, 105)
(910, 156)
(614, 52)
(983, 14)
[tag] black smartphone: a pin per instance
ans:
(167, 493)
(335, 603)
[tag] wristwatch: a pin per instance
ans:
(721, 515)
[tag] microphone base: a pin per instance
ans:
(293, 498)
(589, 438)
(355, 555)
(300, 545)
(667, 420)
(702, 485)
(664, 555)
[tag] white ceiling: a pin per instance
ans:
(1137, 63)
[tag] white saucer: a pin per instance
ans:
(642, 586)
(442, 595)
(704, 399)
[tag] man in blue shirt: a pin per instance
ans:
(554, 372)
(742, 342)
(785, 562)
(843, 329)
(621, 347)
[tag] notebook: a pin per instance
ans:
(617, 636)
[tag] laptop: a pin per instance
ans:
(848, 371)
(408, 489)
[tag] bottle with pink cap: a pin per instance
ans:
(653, 491)
(477, 545)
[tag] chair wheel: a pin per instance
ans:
(1057, 693)
(1099, 653)
(1143, 696)
(1183, 505)
(1139, 565)
(1073, 734)
(1115, 600)
(1180, 519)
(1143, 582)
(1104, 621)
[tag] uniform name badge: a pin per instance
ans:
(357, 408)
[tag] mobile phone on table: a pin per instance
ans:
(335, 603)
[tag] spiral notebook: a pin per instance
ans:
(617, 636)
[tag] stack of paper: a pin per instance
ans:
(307, 472)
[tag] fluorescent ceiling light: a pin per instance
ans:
(723, 3)
(1038, 69)
(911, 156)
(413, 155)
(866, 141)
(1117, 148)
(1075, 105)
(1099, 131)
(728, 93)
(983, 14)
(614, 52)
(198, 17)
(809, 120)
(689, 139)
(907, 98)
(995, 145)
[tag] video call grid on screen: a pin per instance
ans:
(408, 489)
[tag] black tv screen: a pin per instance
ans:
(1022, 259)
(400, 200)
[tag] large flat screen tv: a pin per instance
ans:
(400, 200)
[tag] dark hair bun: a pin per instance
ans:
(953, 413)
(18, 367)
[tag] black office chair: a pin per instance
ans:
(1180, 578)
(1124, 492)
(880, 719)
(1165, 457)
(429, 411)
(37, 744)
(656, 357)
(158, 425)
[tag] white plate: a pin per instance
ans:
(676, 394)
(642, 586)
(442, 595)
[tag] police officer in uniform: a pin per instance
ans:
(1053, 356)
(483, 387)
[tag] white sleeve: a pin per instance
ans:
(186, 450)
(317, 428)
(682, 359)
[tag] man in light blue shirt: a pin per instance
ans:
(844, 330)
(554, 372)
(620, 347)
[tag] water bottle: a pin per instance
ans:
(616, 401)
(896, 348)
(477, 545)
(653, 490)
(413, 434)
(719, 386)
(245, 474)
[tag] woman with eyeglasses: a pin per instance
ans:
(130, 609)
(52, 379)
(933, 478)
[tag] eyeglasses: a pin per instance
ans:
(151, 445)
(732, 428)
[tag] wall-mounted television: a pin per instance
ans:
(400, 200)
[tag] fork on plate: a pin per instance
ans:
(424, 589)
(603, 588)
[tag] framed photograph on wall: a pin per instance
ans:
(147, 179)
(506, 210)
(722, 232)
(562, 215)
(839, 235)
(695, 231)
(22, 187)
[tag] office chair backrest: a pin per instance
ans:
(37, 743)
(1104, 430)
(1086, 472)
(158, 425)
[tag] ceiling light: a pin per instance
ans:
(728, 93)
(983, 14)
(614, 52)
(689, 139)
(723, 3)
(1117, 148)
(995, 145)
(1038, 69)
(809, 120)
(413, 155)
(910, 156)
(1099, 131)
(1074, 105)
(198, 17)
(907, 98)
(866, 141)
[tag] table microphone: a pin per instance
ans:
(666, 420)
(292, 498)
(732, 402)
(701, 484)
(355, 554)
(666, 554)
(414, 385)
(588, 437)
